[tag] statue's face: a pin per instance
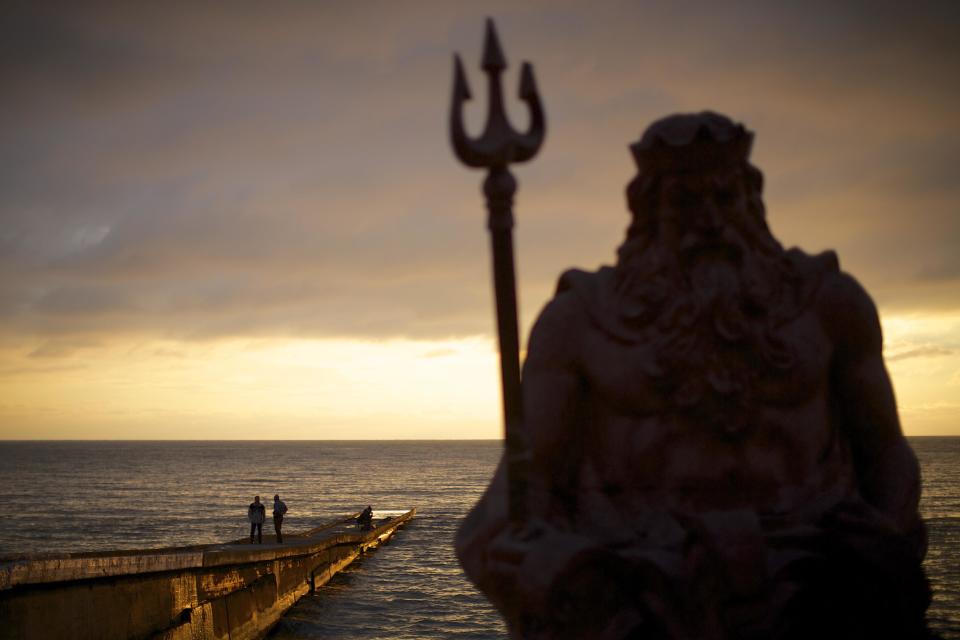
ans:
(704, 215)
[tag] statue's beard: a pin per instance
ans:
(713, 275)
(701, 275)
(711, 313)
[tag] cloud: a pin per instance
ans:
(60, 348)
(10, 372)
(195, 172)
(920, 352)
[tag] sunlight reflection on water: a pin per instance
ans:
(83, 496)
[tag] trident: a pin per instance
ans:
(495, 149)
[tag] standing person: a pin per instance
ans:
(256, 514)
(279, 508)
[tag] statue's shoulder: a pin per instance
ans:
(578, 293)
(809, 276)
(555, 337)
(585, 293)
(833, 286)
(584, 284)
(843, 304)
(576, 301)
(817, 268)
(589, 300)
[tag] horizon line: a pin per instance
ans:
(4, 440)
(43, 440)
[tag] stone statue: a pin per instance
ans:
(713, 443)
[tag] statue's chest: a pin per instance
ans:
(706, 377)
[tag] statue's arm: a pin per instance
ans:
(887, 469)
(551, 393)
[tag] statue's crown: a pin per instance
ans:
(687, 142)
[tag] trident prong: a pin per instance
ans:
(499, 146)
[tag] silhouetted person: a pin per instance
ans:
(256, 514)
(279, 509)
(365, 519)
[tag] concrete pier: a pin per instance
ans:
(233, 591)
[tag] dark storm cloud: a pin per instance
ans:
(196, 171)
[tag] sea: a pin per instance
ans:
(94, 496)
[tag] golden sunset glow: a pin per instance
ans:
(246, 221)
(925, 370)
(258, 389)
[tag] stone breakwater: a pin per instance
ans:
(232, 591)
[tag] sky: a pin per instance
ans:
(244, 220)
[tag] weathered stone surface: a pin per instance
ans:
(709, 443)
(110, 608)
(82, 567)
(229, 591)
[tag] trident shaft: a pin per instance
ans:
(497, 147)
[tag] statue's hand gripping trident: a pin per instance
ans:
(498, 146)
